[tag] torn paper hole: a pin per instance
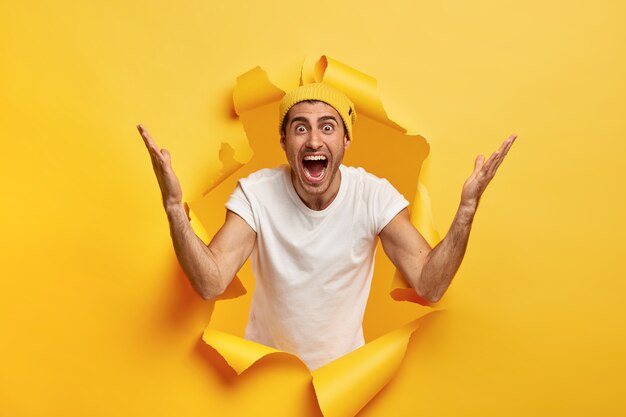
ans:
(381, 147)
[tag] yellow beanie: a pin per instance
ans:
(319, 92)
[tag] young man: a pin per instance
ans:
(311, 228)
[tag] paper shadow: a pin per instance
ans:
(181, 304)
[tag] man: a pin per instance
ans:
(311, 228)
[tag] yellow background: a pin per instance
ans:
(96, 317)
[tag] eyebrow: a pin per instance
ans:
(304, 119)
(324, 118)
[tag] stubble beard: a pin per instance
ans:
(313, 190)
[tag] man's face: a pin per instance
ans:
(314, 141)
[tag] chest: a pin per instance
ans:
(344, 234)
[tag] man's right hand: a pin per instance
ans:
(171, 190)
(209, 268)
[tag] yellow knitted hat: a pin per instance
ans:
(319, 92)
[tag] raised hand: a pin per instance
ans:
(483, 174)
(171, 190)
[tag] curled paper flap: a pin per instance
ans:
(253, 90)
(239, 353)
(361, 88)
(347, 384)
(365, 371)
(342, 387)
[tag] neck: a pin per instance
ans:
(319, 201)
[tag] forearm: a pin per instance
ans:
(193, 255)
(430, 271)
(444, 260)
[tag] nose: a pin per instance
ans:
(314, 141)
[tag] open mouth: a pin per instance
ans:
(314, 167)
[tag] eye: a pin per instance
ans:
(327, 128)
(300, 129)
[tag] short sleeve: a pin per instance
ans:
(388, 202)
(239, 204)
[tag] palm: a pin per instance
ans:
(484, 171)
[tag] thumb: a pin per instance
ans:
(478, 163)
(166, 156)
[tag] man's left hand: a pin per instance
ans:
(483, 174)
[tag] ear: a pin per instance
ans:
(346, 142)
(282, 141)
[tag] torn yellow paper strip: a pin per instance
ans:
(360, 87)
(239, 353)
(345, 385)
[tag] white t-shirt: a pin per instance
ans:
(313, 269)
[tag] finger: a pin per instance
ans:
(144, 133)
(478, 163)
(497, 157)
(508, 143)
(167, 158)
(492, 159)
(153, 149)
(494, 167)
(504, 149)
(508, 140)
(147, 139)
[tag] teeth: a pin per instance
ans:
(315, 158)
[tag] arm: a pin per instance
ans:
(209, 268)
(430, 271)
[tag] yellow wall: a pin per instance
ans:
(96, 316)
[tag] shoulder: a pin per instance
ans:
(264, 175)
(258, 192)
(358, 175)
(263, 179)
(370, 187)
